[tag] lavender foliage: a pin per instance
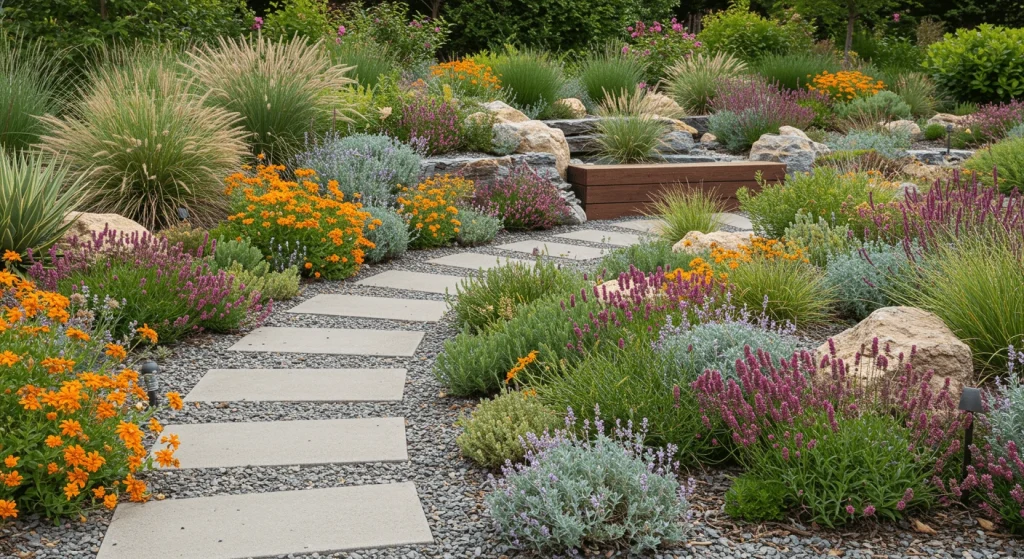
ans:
(746, 109)
(367, 167)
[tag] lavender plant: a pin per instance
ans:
(575, 491)
(747, 109)
(523, 199)
(367, 167)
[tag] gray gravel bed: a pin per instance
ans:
(450, 488)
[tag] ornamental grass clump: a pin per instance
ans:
(523, 199)
(611, 73)
(73, 411)
(746, 109)
(693, 81)
(292, 223)
(366, 167)
(872, 439)
(177, 293)
(32, 84)
(531, 80)
(495, 431)
(1000, 164)
(682, 210)
(591, 489)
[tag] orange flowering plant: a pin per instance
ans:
(299, 222)
(430, 209)
(73, 417)
(845, 85)
(467, 76)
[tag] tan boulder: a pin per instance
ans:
(537, 137)
(929, 173)
(659, 104)
(503, 113)
(908, 127)
(946, 118)
(680, 126)
(792, 131)
(576, 107)
(85, 224)
(795, 150)
(904, 328)
(696, 242)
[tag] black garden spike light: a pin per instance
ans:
(970, 400)
(949, 136)
(149, 371)
(183, 214)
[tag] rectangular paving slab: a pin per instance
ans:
(645, 225)
(299, 385)
(373, 307)
(556, 249)
(476, 261)
(605, 237)
(735, 220)
(413, 281)
(289, 443)
(331, 341)
(268, 524)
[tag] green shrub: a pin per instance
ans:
(240, 251)
(647, 256)
(477, 228)
(934, 132)
(820, 240)
(281, 89)
(716, 346)
(369, 61)
(367, 167)
(918, 91)
(692, 82)
(192, 239)
(825, 193)
(964, 108)
(880, 107)
(35, 195)
(272, 286)
(682, 210)
(412, 42)
(981, 65)
(795, 70)
(146, 143)
(491, 433)
(794, 292)
(496, 295)
(863, 160)
(610, 73)
(530, 78)
(748, 36)
(862, 283)
(32, 84)
(753, 499)
(391, 237)
(892, 145)
(1007, 158)
(310, 19)
(634, 383)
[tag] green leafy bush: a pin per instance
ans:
(826, 193)
(281, 89)
(754, 499)
(32, 84)
(496, 295)
(530, 78)
(272, 286)
(717, 345)
(412, 42)
(682, 211)
(888, 144)
(241, 251)
(146, 143)
(477, 228)
(310, 19)
(1006, 158)
(880, 107)
(491, 433)
(820, 240)
(610, 73)
(35, 195)
(861, 279)
(192, 239)
(692, 82)
(934, 132)
(747, 35)
(390, 237)
(795, 70)
(980, 65)
(647, 256)
(787, 291)
(367, 167)
(863, 161)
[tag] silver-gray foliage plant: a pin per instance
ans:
(862, 276)
(390, 237)
(1006, 414)
(892, 145)
(476, 228)
(371, 165)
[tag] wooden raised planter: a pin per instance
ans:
(610, 191)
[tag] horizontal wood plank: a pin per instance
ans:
(645, 192)
(657, 173)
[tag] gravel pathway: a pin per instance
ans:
(451, 489)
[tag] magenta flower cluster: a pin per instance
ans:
(660, 45)
(993, 121)
(523, 200)
(766, 104)
(430, 120)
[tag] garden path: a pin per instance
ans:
(377, 514)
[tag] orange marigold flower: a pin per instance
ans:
(13, 479)
(147, 333)
(79, 477)
(71, 490)
(52, 468)
(155, 426)
(116, 351)
(9, 358)
(99, 492)
(57, 365)
(136, 489)
(53, 441)
(11, 461)
(8, 509)
(166, 458)
(171, 440)
(174, 401)
(110, 501)
(77, 334)
(74, 456)
(11, 256)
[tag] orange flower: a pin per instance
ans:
(170, 440)
(71, 490)
(57, 365)
(52, 468)
(136, 489)
(147, 333)
(8, 509)
(11, 256)
(9, 358)
(53, 441)
(99, 492)
(174, 401)
(520, 365)
(14, 479)
(116, 351)
(11, 461)
(110, 501)
(76, 334)
(74, 456)
(166, 458)
(154, 426)
(79, 477)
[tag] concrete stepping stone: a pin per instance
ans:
(476, 261)
(331, 341)
(735, 220)
(413, 281)
(559, 250)
(290, 443)
(268, 524)
(605, 237)
(299, 385)
(645, 225)
(372, 307)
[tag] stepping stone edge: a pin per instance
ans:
(299, 385)
(415, 310)
(413, 281)
(331, 341)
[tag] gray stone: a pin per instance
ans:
(555, 249)
(699, 122)
(332, 304)
(299, 385)
(288, 443)
(939, 156)
(676, 143)
(583, 145)
(577, 216)
(645, 225)
(268, 524)
(605, 237)
(331, 341)
(798, 153)
(476, 261)
(413, 281)
(574, 126)
(735, 220)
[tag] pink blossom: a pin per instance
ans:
(257, 23)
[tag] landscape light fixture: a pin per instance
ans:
(970, 400)
(149, 372)
(183, 214)
(949, 136)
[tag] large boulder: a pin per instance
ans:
(575, 107)
(676, 142)
(504, 113)
(908, 127)
(946, 119)
(535, 136)
(658, 104)
(696, 242)
(793, 148)
(902, 329)
(84, 224)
